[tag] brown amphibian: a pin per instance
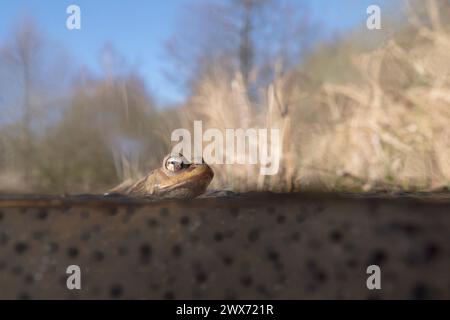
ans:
(177, 178)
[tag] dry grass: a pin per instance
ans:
(384, 124)
(223, 103)
(388, 131)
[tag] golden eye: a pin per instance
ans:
(174, 164)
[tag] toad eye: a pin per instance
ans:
(174, 164)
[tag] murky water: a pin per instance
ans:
(250, 246)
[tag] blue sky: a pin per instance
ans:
(138, 29)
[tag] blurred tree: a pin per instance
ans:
(104, 128)
(248, 36)
(22, 54)
(33, 77)
(110, 131)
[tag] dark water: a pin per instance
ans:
(249, 246)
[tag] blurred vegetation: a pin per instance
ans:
(367, 110)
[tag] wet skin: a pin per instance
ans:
(176, 179)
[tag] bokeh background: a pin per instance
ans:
(359, 110)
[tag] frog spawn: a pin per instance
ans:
(248, 248)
